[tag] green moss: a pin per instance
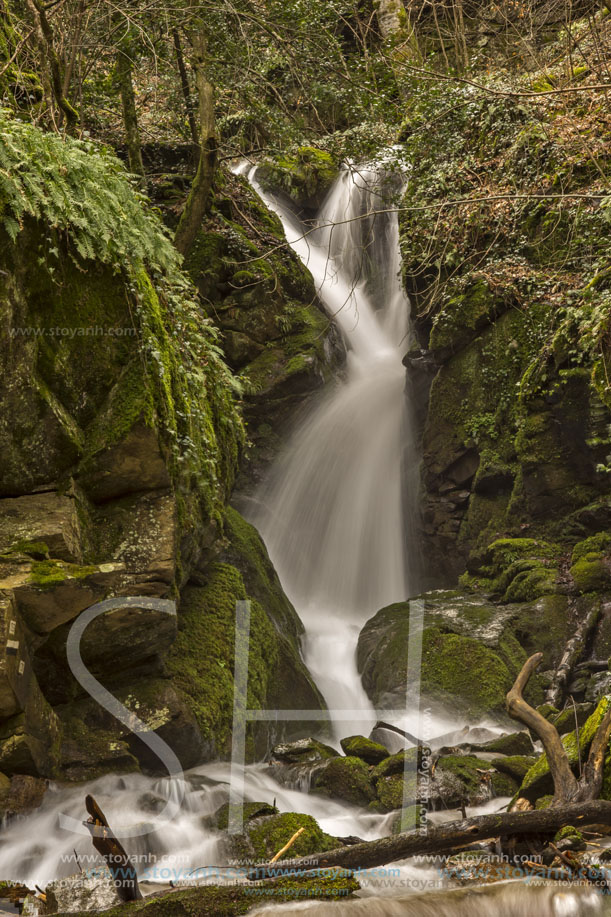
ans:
(504, 784)
(360, 747)
(466, 768)
(402, 762)
(591, 563)
(453, 665)
(344, 778)
(269, 835)
(39, 550)
(247, 551)
(391, 791)
(247, 811)
(45, 574)
(568, 831)
(305, 176)
(202, 657)
(517, 743)
(517, 766)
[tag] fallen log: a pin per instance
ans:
(119, 864)
(443, 838)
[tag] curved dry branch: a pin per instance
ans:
(566, 787)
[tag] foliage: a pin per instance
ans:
(80, 196)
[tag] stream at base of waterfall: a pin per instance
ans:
(336, 513)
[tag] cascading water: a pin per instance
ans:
(335, 512)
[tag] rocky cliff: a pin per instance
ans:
(120, 432)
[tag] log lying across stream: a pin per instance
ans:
(445, 838)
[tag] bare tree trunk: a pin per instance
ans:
(125, 66)
(186, 90)
(195, 208)
(45, 37)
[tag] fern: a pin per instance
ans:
(83, 193)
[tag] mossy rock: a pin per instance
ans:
(304, 176)
(402, 762)
(265, 835)
(503, 784)
(368, 751)
(394, 790)
(303, 751)
(347, 779)
(202, 657)
(470, 655)
(516, 743)
(516, 766)
(591, 563)
(468, 773)
(518, 569)
(247, 812)
(572, 716)
(236, 900)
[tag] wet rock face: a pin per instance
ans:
(274, 332)
(472, 649)
(97, 500)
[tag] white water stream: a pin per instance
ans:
(336, 516)
(335, 510)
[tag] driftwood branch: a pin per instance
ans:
(121, 868)
(565, 782)
(445, 838)
(573, 651)
(567, 788)
(401, 732)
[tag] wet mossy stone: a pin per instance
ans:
(471, 653)
(303, 751)
(393, 791)
(347, 779)
(503, 784)
(305, 175)
(538, 779)
(402, 762)
(517, 766)
(247, 811)
(516, 743)
(517, 569)
(265, 835)
(572, 717)
(470, 771)
(235, 900)
(591, 563)
(367, 750)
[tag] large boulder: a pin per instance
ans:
(472, 649)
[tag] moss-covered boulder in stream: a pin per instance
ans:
(265, 835)
(472, 649)
(346, 779)
(368, 751)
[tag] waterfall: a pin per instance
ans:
(335, 511)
